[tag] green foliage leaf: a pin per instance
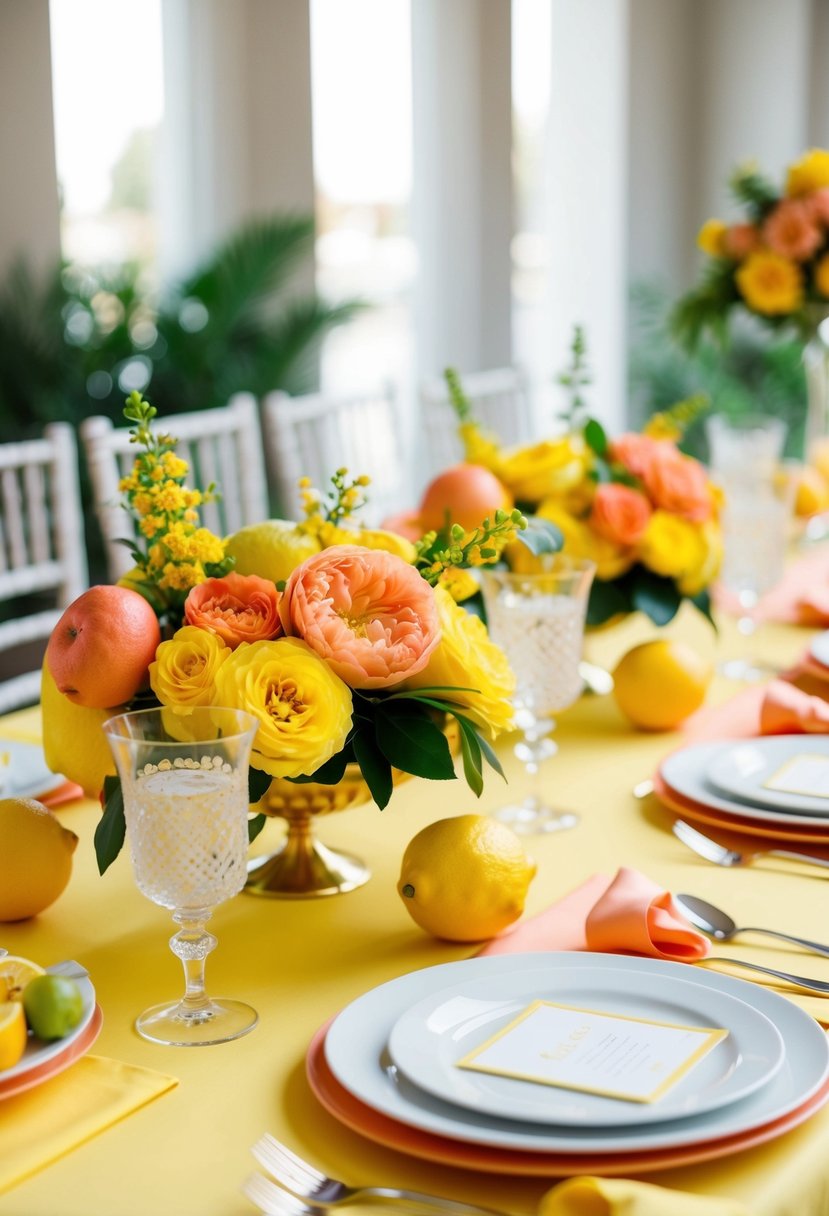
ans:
(259, 783)
(112, 826)
(374, 766)
(472, 758)
(607, 599)
(702, 602)
(654, 595)
(595, 437)
(411, 740)
(255, 825)
(541, 536)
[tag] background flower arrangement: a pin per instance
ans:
(356, 652)
(644, 512)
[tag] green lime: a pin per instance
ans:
(53, 1006)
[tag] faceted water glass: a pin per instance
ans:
(184, 780)
(538, 621)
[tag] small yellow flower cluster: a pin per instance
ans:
(343, 500)
(450, 563)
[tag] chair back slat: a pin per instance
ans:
(36, 511)
(13, 513)
(501, 401)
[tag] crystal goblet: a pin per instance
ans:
(185, 786)
(538, 621)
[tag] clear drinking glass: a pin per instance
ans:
(538, 620)
(185, 786)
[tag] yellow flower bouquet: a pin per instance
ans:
(341, 642)
(773, 262)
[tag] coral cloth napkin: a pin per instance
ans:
(787, 710)
(628, 913)
(69, 791)
(619, 1197)
(44, 1123)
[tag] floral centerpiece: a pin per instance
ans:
(644, 512)
(348, 649)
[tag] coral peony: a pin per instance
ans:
(791, 230)
(619, 513)
(368, 613)
(237, 608)
(680, 485)
(636, 452)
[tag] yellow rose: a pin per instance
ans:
(302, 707)
(467, 658)
(481, 448)
(698, 577)
(671, 545)
(612, 560)
(460, 583)
(822, 276)
(809, 173)
(183, 674)
(711, 238)
(550, 467)
(770, 284)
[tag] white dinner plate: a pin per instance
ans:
(428, 1040)
(819, 648)
(356, 1052)
(38, 1052)
(27, 773)
(686, 772)
(741, 770)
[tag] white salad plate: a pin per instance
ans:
(38, 1053)
(26, 775)
(741, 771)
(686, 773)
(428, 1040)
(357, 1053)
(819, 648)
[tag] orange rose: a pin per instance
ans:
(620, 514)
(237, 608)
(367, 612)
(678, 484)
(636, 452)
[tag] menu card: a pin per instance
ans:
(595, 1052)
(804, 774)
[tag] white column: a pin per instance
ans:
(818, 134)
(462, 192)
(587, 167)
(29, 213)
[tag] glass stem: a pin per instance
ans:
(192, 944)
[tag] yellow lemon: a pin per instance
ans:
(271, 549)
(15, 973)
(465, 878)
(35, 858)
(12, 1033)
(658, 684)
(73, 742)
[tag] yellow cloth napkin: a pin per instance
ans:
(621, 1197)
(44, 1123)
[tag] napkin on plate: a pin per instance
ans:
(628, 913)
(619, 1197)
(787, 710)
(44, 1123)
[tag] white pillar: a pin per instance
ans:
(29, 212)
(818, 134)
(462, 191)
(587, 167)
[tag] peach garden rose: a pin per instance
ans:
(620, 514)
(237, 608)
(678, 484)
(367, 613)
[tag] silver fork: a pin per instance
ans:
(711, 850)
(304, 1182)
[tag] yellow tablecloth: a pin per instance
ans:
(298, 962)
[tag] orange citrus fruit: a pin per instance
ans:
(102, 646)
(658, 684)
(464, 494)
(465, 878)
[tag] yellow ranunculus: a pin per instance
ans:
(671, 545)
(822, 276)
(302, 707)
(481, 448)
(467, 658)
(711, 238)
(183, 674)
(612, 560)
(809, 173)
(550, 467)
(770, 284)
(698, 577)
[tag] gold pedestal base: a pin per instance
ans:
(304, 869)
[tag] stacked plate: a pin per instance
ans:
(386, 1067)
(24, 772)
(755, 786)
(40, 1061)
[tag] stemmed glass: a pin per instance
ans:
(185, 786)
(538, 620)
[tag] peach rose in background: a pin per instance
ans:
(818, 204)
(791, 231)
(740, 240)
(636, 452)
(678, 484)
(237, 608)
(368, 613)
(620, 513)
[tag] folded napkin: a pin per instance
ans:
(619, 1197)
(68, 791)
(812, 608)
(44, 1123)
(787, 710)
(628, 914)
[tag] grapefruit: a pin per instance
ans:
(463, 495)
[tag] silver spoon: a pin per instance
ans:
(722, 928)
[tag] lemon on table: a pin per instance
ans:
(465, 878)
(35, 858)
(13, 1035)
(659, 684)
(15, 974)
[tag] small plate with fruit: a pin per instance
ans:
(47, 1018)
(24, 772)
